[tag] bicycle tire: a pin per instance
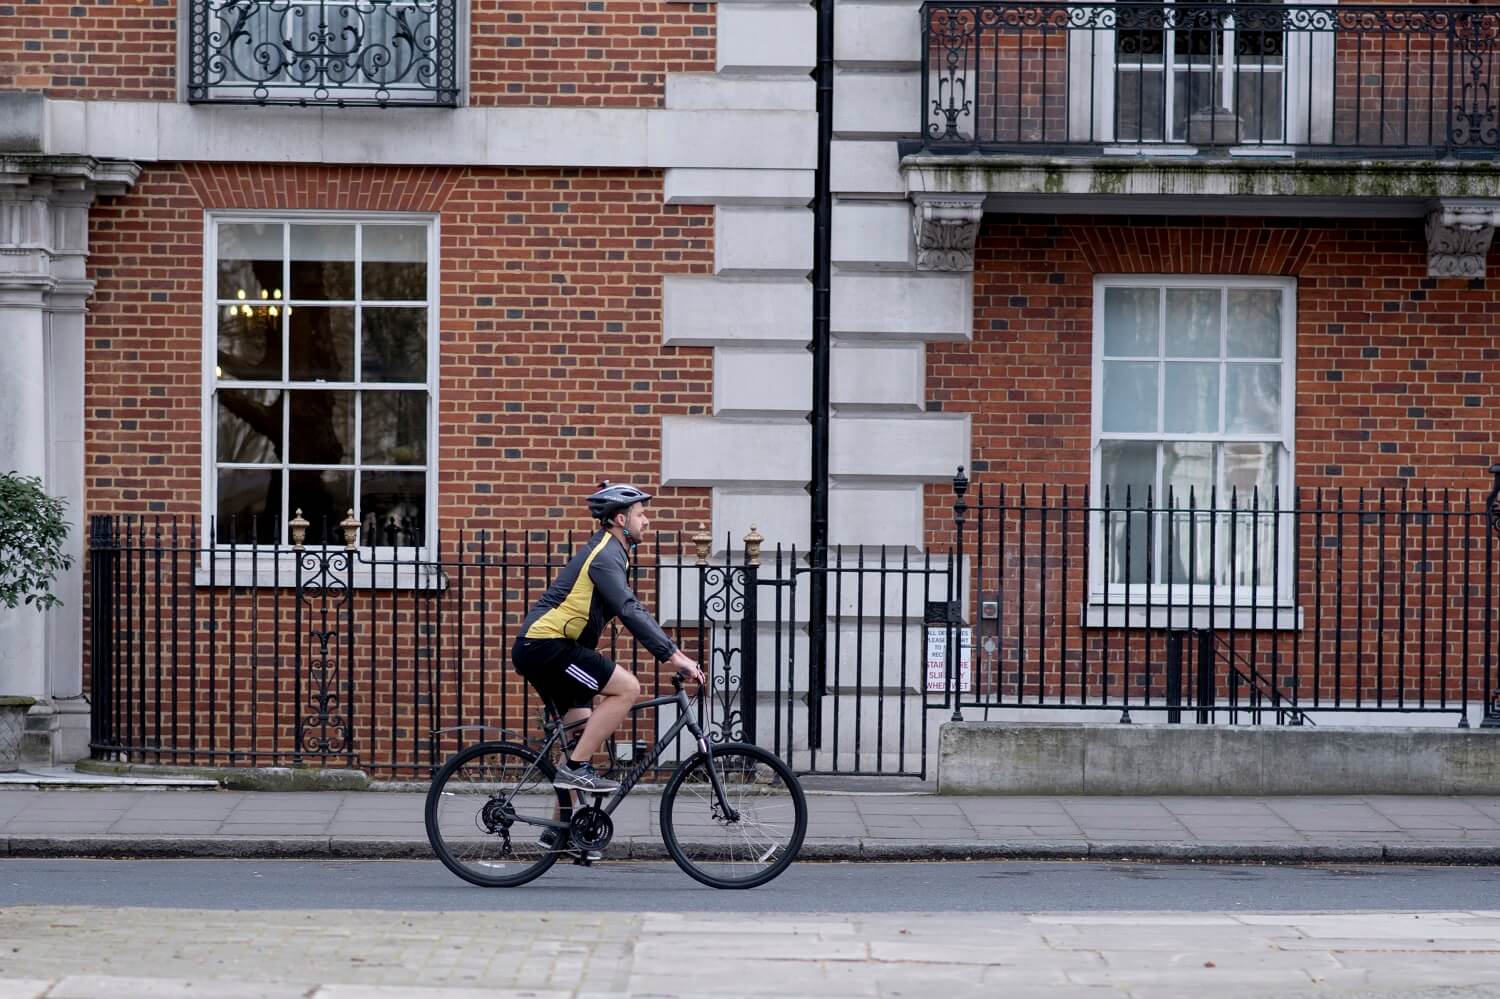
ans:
(478, 835)
(761, 788)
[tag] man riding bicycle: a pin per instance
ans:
(555, 649)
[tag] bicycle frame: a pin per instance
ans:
(685, 719)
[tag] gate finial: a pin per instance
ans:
(298, 524)
(701, 541)
(753, 541)
(350, 527)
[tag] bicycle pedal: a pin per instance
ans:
(579, 860)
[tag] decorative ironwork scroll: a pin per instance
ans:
(339, 52)
(723, 602)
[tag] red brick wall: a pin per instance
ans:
(599, 53)
(553, 376)
(1391, 391)
(90, 49)
(604, 53)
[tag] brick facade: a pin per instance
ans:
(552, 376)
(598, 53)
(552, 370)
(1390, 394)
(1390, 390)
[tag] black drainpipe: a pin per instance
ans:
(821, 335)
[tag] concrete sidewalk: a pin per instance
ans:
(136, 821)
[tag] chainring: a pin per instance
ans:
(591, 828)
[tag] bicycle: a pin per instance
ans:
(732, 815)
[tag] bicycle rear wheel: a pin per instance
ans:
(758, 842)
(485, 810)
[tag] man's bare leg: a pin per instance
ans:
(615, 701)
(573, 715)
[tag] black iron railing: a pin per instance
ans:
(338, 52)
(338, 656)
(1355, 79)
(1238, 606)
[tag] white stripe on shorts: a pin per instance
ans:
(582, 677)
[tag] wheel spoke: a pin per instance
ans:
(770, 819)
(485, 813)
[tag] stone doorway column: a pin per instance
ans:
(44, 205)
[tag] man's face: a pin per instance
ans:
(635, 521)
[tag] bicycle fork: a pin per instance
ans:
(706, 748)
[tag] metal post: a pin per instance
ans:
(956, 588)
(1174, 675)
(749, 634)
(1491, 687)
(821, 336)
(1206, 693)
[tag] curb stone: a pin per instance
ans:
(647, 848)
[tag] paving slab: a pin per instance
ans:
(128, 820)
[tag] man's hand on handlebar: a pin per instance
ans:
(685, 666)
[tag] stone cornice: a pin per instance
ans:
(1190, 185)
(44, 206)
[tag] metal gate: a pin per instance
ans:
(847, 689)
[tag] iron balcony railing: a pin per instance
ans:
(1238, 78)
(323, 52)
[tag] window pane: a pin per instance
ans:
(395, 428)
(1128, 471)
(249, 423)
(1188, 477)
(325, 497)
(1140, 105)
(1258, 100)
(249, 343)
(1250, 476)
(1196, 91)
(1192, 322)
(1250, 471)
(1252, 398)
(1254, 323)
(1129, 396)
(1131, 318)
(249, 260)
(394, 507)
(323, 262)
(395, 263)
(322, 344)
(249, 507)
(395, 345)
(322, 428)
(1192, 398)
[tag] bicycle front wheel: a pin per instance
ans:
(486, 809)
(752, 843)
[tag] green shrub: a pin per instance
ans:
(32, 532)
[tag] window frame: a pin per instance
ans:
(1183, 595)
(209, 305)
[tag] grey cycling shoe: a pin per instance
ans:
(549, 839)
(582, 777)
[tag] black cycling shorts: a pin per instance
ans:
(566, 674)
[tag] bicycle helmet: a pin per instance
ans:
(610, 500)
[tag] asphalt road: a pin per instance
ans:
(808, 887)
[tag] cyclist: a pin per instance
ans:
(555, 649)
